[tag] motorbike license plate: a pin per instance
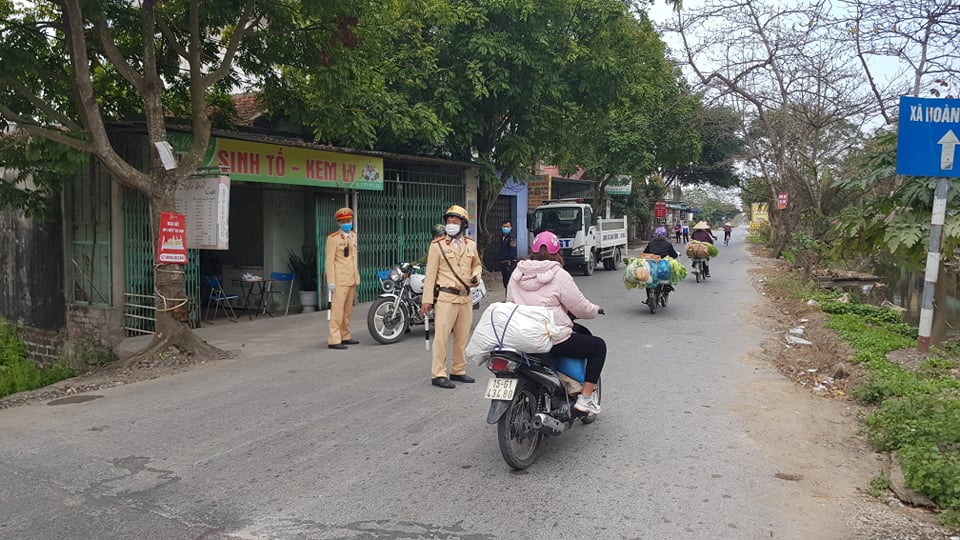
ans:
(501, 389)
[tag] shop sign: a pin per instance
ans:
(249, 161)
(660, 209)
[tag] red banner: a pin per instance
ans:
(782, 201)
(172, 241)
(660, 209)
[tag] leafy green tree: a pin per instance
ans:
(70, 68)
(719, 130)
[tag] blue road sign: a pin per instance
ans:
(928, 136)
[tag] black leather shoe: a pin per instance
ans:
(350, 342)
(338, 346)
(462, 378)
(442, 382)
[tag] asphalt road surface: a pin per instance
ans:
(321, 444)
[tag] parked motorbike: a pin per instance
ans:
(530, 399)
(398, 308)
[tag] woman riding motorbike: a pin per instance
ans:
(702, 233)
(541, 281)
(660, 245)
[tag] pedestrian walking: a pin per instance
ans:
(343, 277)
(686, 232)
(676, 231)
(453, 267)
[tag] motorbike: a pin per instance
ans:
(398, 308)
(532, 397)
(657, 296)
(698, 266)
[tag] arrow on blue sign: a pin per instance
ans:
(949, 145)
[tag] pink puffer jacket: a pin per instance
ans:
(547, 284)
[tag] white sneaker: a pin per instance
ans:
(587, 405)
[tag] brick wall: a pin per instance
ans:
(103, 323)
(44, 347)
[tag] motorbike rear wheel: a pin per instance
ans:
(589, 419)
(520, 444)
(385, 324)
(653, 300)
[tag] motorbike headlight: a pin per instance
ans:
(395, 275)
(577, 251)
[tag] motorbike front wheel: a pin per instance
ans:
(519, 442)
(386, 324)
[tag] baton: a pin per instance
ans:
(329, 303)
(426, 330)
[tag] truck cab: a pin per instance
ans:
(585, 240)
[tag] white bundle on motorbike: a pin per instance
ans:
(505, 325)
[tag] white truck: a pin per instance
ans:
(585, 240)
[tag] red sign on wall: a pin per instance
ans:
(660, 209)
(172, 242)
(782, 201)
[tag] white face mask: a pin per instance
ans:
(452, 229)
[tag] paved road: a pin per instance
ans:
(318, 444)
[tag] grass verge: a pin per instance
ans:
(17, 373)
(917, 412)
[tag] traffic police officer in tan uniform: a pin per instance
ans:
(343, 276)
(453, 266)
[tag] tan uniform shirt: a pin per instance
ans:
(342, 270)
(465, 262)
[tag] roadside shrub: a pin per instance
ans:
(934, 472)
(17, 373)
(915, 418)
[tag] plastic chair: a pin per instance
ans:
(219, 296)
(280, 279)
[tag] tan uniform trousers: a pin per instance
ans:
(341, 310)
(456, 318)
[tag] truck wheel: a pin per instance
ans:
(590, 265)
(613, 261)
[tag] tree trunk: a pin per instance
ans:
(171, 300)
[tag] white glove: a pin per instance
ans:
(331, 287)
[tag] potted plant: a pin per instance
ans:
(304, 267)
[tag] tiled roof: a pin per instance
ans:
(248, 109)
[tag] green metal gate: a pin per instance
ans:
(395, 224)
(139, 308)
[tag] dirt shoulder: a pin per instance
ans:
(809, 424)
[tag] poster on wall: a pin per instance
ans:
(205, 201)
(172, 240)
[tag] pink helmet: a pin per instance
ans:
(546, 239)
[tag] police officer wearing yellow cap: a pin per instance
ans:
(453, 266)
(343, 276)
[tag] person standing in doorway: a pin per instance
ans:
(508, 252)
(343, 277)
(686, 232)
(453, 267)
